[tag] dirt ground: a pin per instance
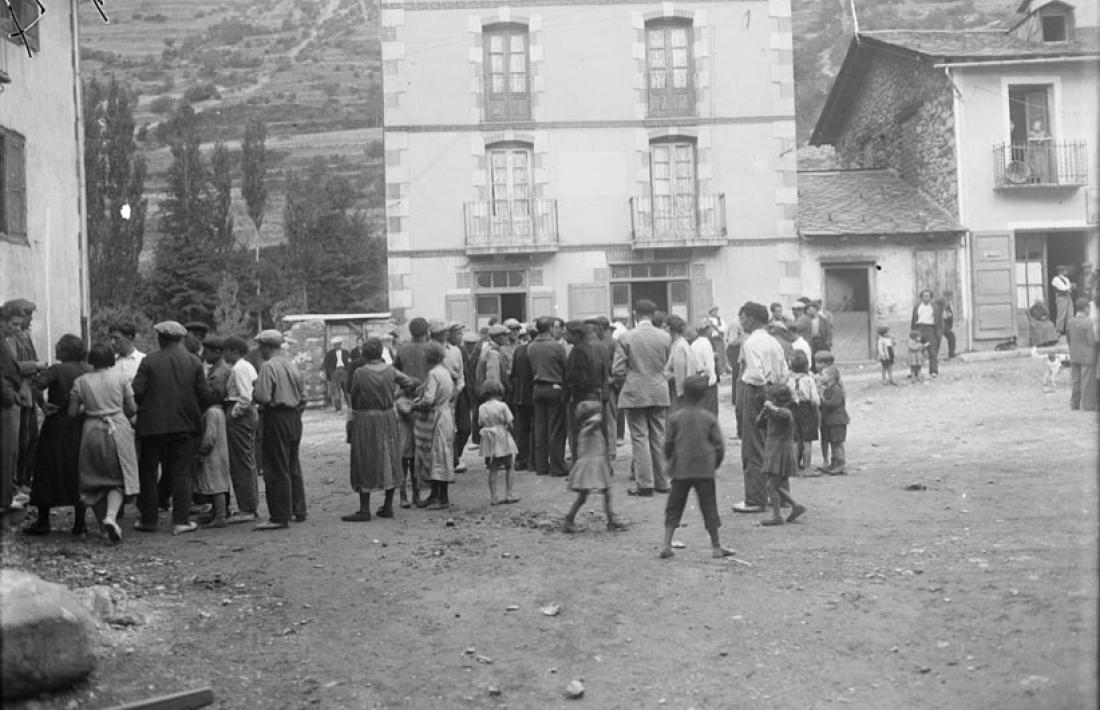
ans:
(979, 590)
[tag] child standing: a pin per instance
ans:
(212, 474)
(886, 355)
(917, 348)
(779, 463)
(834, 419)
(497, 445)
(805, 410)
(694, 447)
(591, 471)
(823, 359)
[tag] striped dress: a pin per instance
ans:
(434, 428)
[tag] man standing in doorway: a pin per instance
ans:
(946, 316)
(926, 320)
(640, 365)
(1063, 298)
(762, 365)
(279, 391)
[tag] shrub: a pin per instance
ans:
(201, 92)
(161, 104)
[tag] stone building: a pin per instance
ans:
(997, 127)
(569, 158)
(42, 228)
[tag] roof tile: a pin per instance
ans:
(977, 45)
(866, 202)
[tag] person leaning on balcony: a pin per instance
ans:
(1063, 298)
(929, 321)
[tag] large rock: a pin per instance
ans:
(49, 637)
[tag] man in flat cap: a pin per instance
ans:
(171, 391)
(29, 396)
(491, 364)
(548, 360)
(335, 366)
(281, 396)
(523, 403)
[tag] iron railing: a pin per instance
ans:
(496, 227)
(1040, 162)
(684, 221)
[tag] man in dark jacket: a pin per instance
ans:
(523, 383)
(586, 375)
(171, 391)
(10, 321)
(336, 372)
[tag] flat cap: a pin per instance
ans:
(512, 324)
(496, 330)
(798, 306)
(470, 337)
(601, 321)
(438, 326)
(270, 337)
(170, 329)
(21, 305)
(456, 326)
(214, 341)
(197, 326)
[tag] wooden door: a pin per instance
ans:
(994, 288)
(702, 297)
(542, 304)
(588, 301)
(936, 270)
(460, 309)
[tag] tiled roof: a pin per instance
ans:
(978, 45)
(866, 202)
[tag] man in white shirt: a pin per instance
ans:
(705, 357)
(717, 337)
(1063, 298)
(240, 428)
(127, 357)
(929, 322)
(762, 364)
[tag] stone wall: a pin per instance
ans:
(902, 118)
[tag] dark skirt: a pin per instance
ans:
(375, 450)
(779, 458)
(57, 462)
(806, 421)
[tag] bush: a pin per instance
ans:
(161, 104)
(201, 92)
(104, 316)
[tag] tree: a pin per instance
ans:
(229, 317)
(254, 190)
(114, 191)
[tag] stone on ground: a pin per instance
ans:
(49, 636)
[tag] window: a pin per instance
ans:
(672, 168)
(1054, 28)
(13, 187)
(511, 188)
(668, 64)
(500, 279)
(1028, 111)
(1029, 270)
(507, 84)
(28, 12)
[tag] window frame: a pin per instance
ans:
(668, 91)
(517, 222)
(517, 104)
(27, 10)
(673, 144)
(13, 169)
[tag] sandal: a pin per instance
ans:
(185, 528)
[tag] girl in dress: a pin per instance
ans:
(591, 471)
(806, 401)
(212, 471)
(435, 430)
(917, 348)
(57, 461)
(108, 458)
(497, 445)
(779, 464)
(885, 347)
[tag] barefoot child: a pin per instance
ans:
(212, 472)
(822, 359)
(779, 463)
(834, 419)
(591, 471)
(806, 403)
(917, 348)
(497, 445)
(885, 347)
(694, 447)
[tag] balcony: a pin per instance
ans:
(1040, 163)
(664, 223)
(511, 227)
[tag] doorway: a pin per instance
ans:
(671, 297)
(847, 296)
(500, 306)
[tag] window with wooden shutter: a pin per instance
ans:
(13, 187)
(510, 181)
(671, 84)
(507, 77)
(672, 169)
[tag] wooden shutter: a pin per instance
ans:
(460, 309)
(936, 269)
(588, 301)
(15, 185)
(542, 304)
(702, 297)
(994, 288)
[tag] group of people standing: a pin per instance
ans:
(176, 429)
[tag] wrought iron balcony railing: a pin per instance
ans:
(681, 221)
(1040, 162)
(513, 226)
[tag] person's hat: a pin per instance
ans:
(170, 329)
(798, 305)
(197, 327)
(512, 324)
(270, 337)
(601, 321)
(696, 386)
(577, 327)
(470, 337)
(20, 305)
(337, 341)
(587, 409)
(438, 326)
(457, 327)
(496, 330)
(216, 342)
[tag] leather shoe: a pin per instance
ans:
(640, 492)
(271, 526)
(142, 527)
(744, 507)
(663, 490)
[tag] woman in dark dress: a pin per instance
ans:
(56, 466)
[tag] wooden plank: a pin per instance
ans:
(184, 700)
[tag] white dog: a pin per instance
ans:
(1054, 363)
